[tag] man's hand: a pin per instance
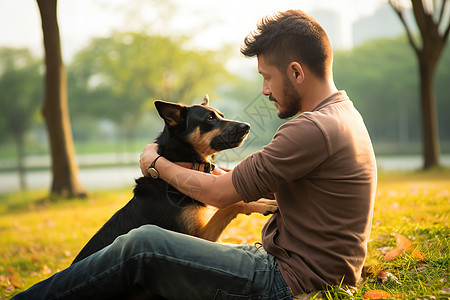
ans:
(147, 157)
(262, 206)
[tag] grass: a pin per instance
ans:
(39, 237)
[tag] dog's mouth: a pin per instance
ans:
(231, 137)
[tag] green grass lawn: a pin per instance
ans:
(39, 238)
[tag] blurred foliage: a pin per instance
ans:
(381, 78)
(20, 98)
(20, 91)
(113, 81)
(117, 78)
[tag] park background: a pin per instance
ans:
(121, 55)
(179, 51)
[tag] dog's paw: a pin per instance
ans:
(262, 206)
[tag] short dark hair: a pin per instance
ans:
(290, 36)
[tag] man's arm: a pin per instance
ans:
(215, 190)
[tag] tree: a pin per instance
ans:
(117, 78)
(21, 90)
(379, 77)
(434, 28)
(65, 181)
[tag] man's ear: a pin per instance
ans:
(295, 72)
(205, 101)
(170, 112)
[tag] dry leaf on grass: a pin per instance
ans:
(393, 253)
(377, 294)
(403, 244)
(419, 255)
(385, 276)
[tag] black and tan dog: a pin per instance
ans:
(192, 135)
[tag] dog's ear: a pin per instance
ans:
(170, 112)
(205, 100)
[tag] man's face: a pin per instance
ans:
(280, 90)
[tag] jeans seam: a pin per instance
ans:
(199, 266)
(143, 257)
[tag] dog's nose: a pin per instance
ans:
(244, 126)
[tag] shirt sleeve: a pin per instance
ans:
(298, 147)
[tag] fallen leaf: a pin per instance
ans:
(377, 294)
(393, 253)
(14, 276)
(385, 276)
(419, 255)
(403, 244)
(445, 290)
(9, 289)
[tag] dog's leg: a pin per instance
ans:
(262, 206)
(212, 230)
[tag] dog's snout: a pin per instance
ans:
(244, 126)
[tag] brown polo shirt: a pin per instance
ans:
(321, 168)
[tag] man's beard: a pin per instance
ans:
(292, 104)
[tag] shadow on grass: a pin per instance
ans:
(17, 202)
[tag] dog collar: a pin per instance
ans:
(208, 167)
(205, 167)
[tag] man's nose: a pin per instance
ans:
(266, 89)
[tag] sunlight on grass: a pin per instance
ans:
(39, 237)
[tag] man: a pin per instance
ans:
(319, 166)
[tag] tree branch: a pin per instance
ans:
(423, 19)
(447, 31)
(441, 13)
(399, 12)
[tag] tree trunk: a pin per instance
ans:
(428, 57)
(65, 181)
(431, 147)
(433, 42)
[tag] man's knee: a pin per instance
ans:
(146, 232)
(142, 239)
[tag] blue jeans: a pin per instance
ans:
(170, 264)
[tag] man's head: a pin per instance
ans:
(291, 36)
(290, 47)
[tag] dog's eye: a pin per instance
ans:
(210, 118)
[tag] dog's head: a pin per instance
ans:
(202, 127)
